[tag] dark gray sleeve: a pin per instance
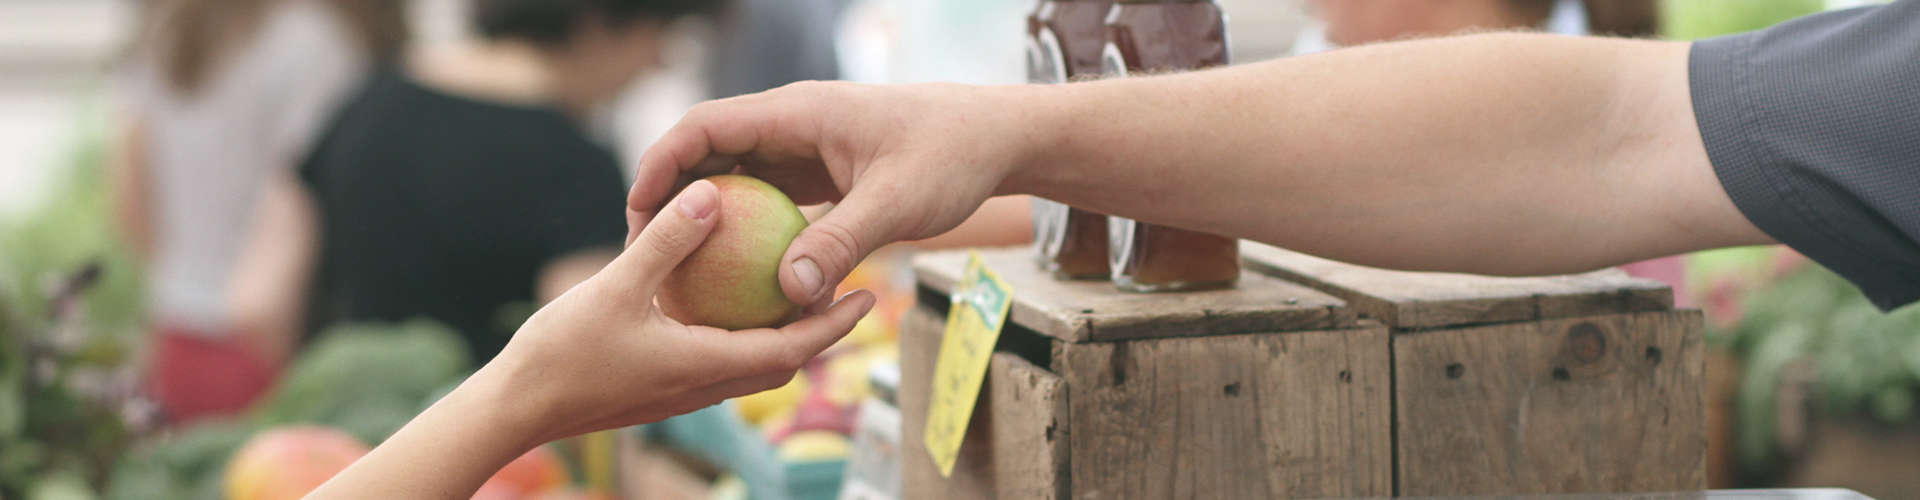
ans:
(1813, 127)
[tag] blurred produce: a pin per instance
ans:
(1811, 346)
(367, 379)
(289, 462)
(808, 446)
(757, 408)
(533, 474)
(361, 380)
(809, 421)
(568, 494)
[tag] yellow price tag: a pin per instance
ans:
(979, 310)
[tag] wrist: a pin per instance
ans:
(1035, 118)
(1046, 118)
(499, 395)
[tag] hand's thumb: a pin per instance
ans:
(826, 251)
(669, 237)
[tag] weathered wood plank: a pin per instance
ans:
(1593, 404)
(1083, 311)
(1029, 432)
(1016, 443)
(1244, 416)
(1411, 300)
(920, 333)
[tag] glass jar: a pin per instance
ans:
(1160, 36)
(1065, 41)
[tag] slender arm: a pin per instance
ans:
(446, 452)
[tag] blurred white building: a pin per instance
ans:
(52, 53)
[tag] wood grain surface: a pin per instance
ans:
(1087, 311)
(1411, 300)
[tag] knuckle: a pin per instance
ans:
(701, 112)
(839, 243)
(806, 88)
(669, 239)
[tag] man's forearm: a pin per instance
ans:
(1505, 154)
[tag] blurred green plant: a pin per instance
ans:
(71, 229)
(1813, 332)
(70, 305)
(365, 379)
(70, 317)
(1695, 19)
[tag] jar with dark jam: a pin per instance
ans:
(1065, 41)
(1150, 36)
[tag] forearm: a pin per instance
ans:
(446, 452)
(267, 288)
(1506, 154)
(131, 196)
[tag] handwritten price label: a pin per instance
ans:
(979, 310)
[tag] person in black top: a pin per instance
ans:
(460, 186)
(437, 205)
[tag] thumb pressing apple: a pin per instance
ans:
(732, 280)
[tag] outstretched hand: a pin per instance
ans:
(604, 355)
(600, 356)
(900, 162)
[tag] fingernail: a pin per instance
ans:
(868, 300)
(809, 275)
(698, 200)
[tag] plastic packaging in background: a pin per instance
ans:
(873, 472)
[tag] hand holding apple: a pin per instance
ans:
(602, 356)
(732, 280)
(598, 357)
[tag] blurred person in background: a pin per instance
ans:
(1360, 22)
(462, 183)
(763, 44)
(220, 96)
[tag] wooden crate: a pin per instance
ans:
(1330, 381)
(1268, 390)
(1565, 384)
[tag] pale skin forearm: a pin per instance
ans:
(600, 356)
(132, 185)
(1501, 154)
(449, 450)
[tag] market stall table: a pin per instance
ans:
(1305, 381)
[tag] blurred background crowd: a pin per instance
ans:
(224, 217)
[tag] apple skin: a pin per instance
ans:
(732, 281)
(286, 463)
